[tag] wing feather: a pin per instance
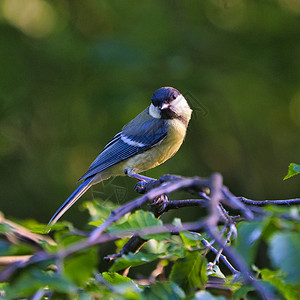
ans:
(138, 136)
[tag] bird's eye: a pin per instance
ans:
(173, 96)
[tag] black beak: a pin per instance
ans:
(164, 106)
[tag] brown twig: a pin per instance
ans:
(165, 188)
(239, 262)
(23, 233)
(288, 202)
(219, 196)
(222, 257)
(6, 260)
(232, 201)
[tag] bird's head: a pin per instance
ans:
(168, 103)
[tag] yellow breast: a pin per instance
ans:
(159, 153)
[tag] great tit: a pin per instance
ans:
(147, 141)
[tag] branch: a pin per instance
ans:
(236, 204)
(238, 261)
(287, 202)
(170, 185)
(6, 260)
(219, 196)
(23, 233)
(223, 257)
(104, 238)
(215, 198)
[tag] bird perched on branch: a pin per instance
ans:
(147, 141)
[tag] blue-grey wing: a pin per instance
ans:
(136, 137)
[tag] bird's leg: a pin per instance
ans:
(130, 173)
(160, 201)
(141, 177)
(143, 180)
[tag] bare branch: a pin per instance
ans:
(287, 202)
(219, 197)
(215, 198)
(222, 257)
(6, 260)
(236, 204)
(165, 188)
(238, 261)
(185, 203)
(21, 232)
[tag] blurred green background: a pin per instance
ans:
(74, 72)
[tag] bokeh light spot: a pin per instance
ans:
(35, 18)
(293, 5)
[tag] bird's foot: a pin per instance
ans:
(160, 202)
(140, 187)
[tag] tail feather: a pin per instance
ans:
(84, 186)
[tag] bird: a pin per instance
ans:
(147, 141)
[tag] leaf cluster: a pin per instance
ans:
(168, 266)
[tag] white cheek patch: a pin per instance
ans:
(181, 107)
(130, 142)
(180, 103)
(154, 112)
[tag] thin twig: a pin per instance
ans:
(287, 202)
(39, 294)
(216, 183)
(220, 195)
(166, 188)
(22, 232)
(175, 204)
(239, 262)
(222, 257)
(126, 233)
(6, 260)
(100, 279)
(236, 204)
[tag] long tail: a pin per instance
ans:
(84, 186)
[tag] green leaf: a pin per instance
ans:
(293, 170)
(3, 289)
(242, 292)
(80, 267)
(83, 296)
(69, 239)
(276, 279)
(98, 210)
(59, 226)
(32, 279)
(190, 272)
(270, 226)
(141, 220)
(214, 271)
(6, 228)
(156, 247)
(120, 283)
(132, 259)
(248, 238)
(175, 250)
(34, 226)
(96, 223)
(284, 251)
(7, 249)
(204, 295)
(161, 291)
(191, 239)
